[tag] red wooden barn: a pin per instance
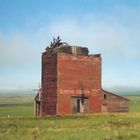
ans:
(71, 82)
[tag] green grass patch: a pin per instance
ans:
(134, 103)
(16, 99)
(12, 110)
(87, 127)
(17, 122)
(16, 106)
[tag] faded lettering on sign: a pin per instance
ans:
(93, 92)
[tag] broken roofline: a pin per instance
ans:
(115, 94)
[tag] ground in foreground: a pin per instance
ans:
(83, 127)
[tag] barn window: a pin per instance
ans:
(104, 96)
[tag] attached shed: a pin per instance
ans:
(37, 103)
(114, 103)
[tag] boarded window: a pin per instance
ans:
(104, 96)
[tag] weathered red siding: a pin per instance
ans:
(114, 103)
(49, 84)
(71, 70)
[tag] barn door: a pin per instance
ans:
(86, 110)
(77, 106)
(104, 108)
(74, 105)
(37, 108)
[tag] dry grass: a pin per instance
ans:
(21, 125)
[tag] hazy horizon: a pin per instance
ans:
(23, 92)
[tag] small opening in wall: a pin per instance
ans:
(104, 96)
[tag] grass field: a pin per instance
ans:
(134, 103)
(18, 123)
(91, 127)
(16, 106)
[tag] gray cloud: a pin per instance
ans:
(109, 38)
(116, 35)
(19, 63)
(17, 51)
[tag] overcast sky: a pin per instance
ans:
(109, 27)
